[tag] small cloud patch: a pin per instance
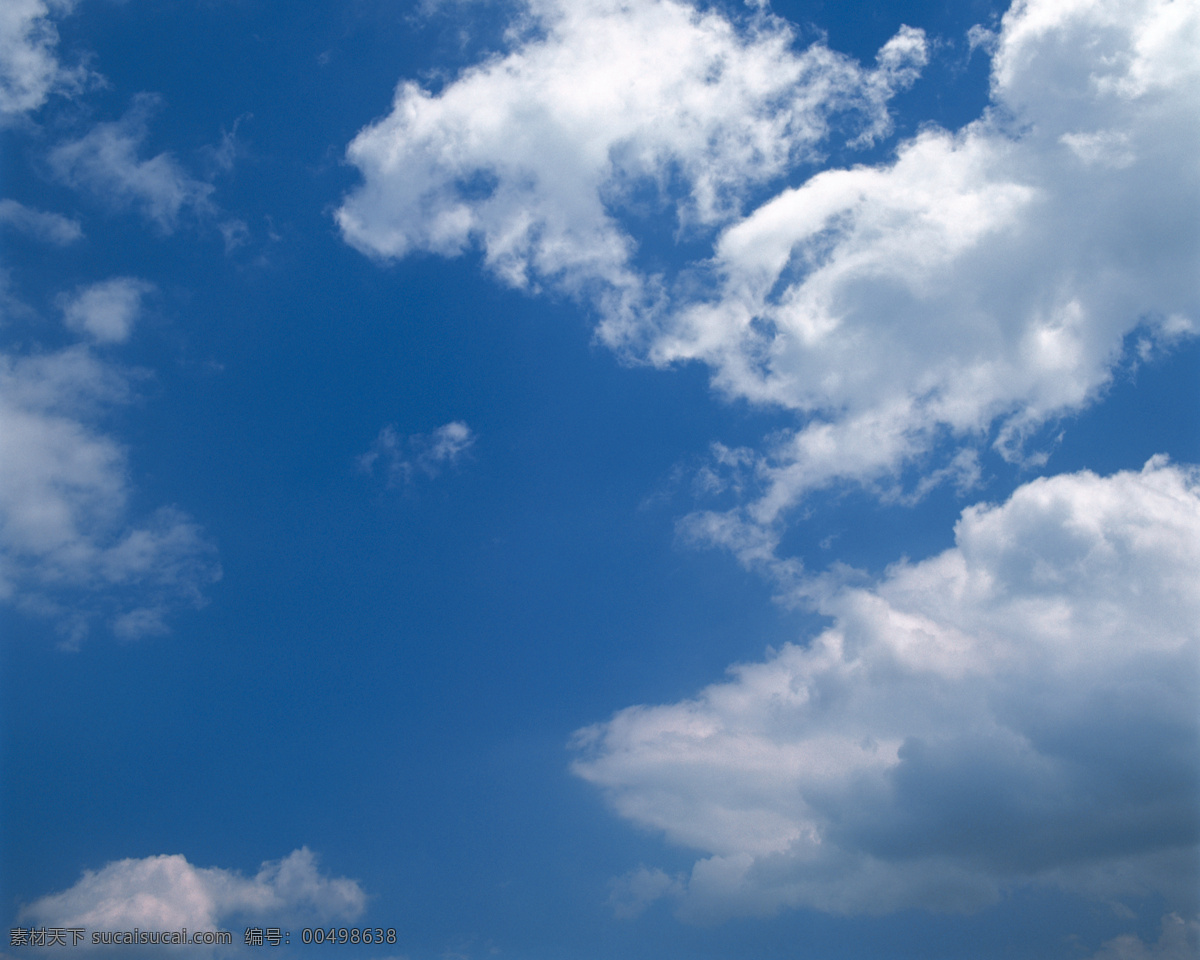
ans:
(401, 460)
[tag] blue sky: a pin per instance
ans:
(603, 480)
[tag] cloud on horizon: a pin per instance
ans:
(1017, 710)
(169, 893)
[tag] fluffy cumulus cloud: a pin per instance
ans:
(530, 156)
(69, 548)
(1020, 709)
(169, 893)
(984, 280)
(30, 70)
(401, 460)
(107, 161)
(975, 286)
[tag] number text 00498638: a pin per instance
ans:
(348, 935)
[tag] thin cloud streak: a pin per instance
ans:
(40, 224)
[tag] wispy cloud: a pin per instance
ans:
(1017, 710)
(69, 549)
(107, 162)
(47, 227)
(401, 459)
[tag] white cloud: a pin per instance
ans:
(1019, 709)
(1179, 939)
(69, 549)
(974, 287)
(44, 226)
(448, 444)
(107, 311)
(401, 458)
(530, 156)
(29, 67)
(169, 893)
(107, 161)
(985, 279)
